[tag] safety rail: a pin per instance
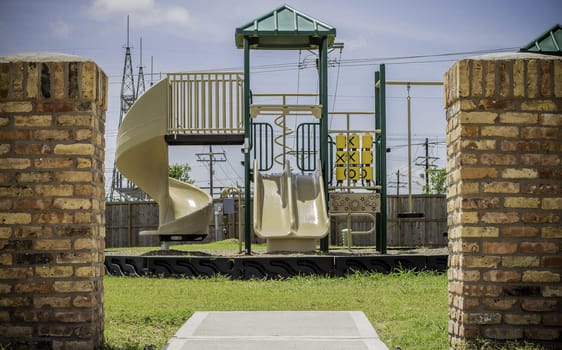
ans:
(280, 111)
(206, 103)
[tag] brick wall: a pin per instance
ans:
(504, 132)
(52, 115)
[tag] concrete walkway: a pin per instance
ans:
(276, 330)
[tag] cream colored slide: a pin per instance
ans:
(142, 156)
(290, 210)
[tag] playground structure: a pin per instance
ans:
(290, 210)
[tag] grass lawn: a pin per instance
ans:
(406, 308)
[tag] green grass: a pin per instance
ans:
(406, 308)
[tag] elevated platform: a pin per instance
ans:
(204, 139)
(275, 330)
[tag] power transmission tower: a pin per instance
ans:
(121, 188)
(140, 76)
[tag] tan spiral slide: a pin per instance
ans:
(142, 156)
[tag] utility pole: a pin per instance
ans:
(211, 157)
(427, 161)
(398, 183)
(426, 144)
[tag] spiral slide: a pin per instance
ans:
(142, 156)
(290, 210)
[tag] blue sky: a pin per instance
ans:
(194, 35)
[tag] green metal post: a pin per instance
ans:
(247, 160)
(380, 172)
(323, 88)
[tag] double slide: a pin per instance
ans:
(290, 209)
(142, 156)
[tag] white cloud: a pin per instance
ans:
(60, 29)
(145, 12)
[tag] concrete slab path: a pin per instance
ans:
(276, 330)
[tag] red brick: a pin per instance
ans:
(498, 159)
(519, 231)
(40, 287)
(538, 305)
(32, 148)
(552, 261)
(502, 333)
(475, 261)
(540, 218)
(53, 302)
(520, 146)
(502, 276)
(554, 319)
(542, 334)
(499, 303)
(73, 316)
(13, 331)
(480, 203)
(32, 316)
(56, 331)
(499, 248)
(15, 135)
(55, 106)
(539, 247)
(538, 132)
(32, 204)
(540, 159)
(522, 319)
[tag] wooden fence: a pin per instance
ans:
(124, 221)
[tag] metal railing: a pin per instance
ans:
(206, 103)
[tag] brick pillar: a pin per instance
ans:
(504, 132)
(52, 116)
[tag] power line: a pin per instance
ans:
(357, 62)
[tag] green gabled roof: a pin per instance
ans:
(549, 43)
(285, 28)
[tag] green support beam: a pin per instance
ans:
(247, 160)
(380, 152)
(323, 88)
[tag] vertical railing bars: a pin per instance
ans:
(206, 103)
